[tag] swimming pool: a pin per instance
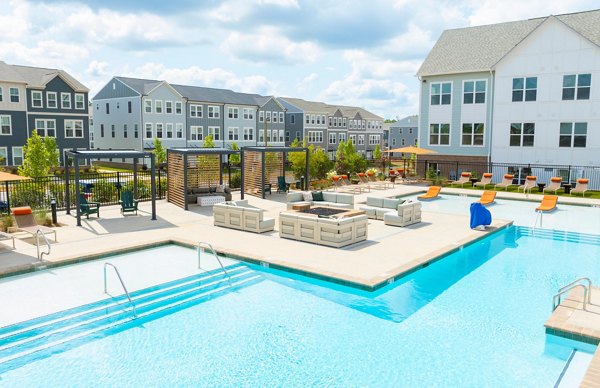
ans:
(473, 318)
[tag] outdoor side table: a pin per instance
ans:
(541, 187)
(473, 181)
(567, 187)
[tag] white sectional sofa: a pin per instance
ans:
(408, 213)
(329, 199)
(240, 215)
(377, 207)
(333, 232)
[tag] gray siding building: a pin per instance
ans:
(404, 132)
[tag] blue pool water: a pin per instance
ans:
(474, 318)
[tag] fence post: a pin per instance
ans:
(7, 197)
(159, 189)
(118, 185)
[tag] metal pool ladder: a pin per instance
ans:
(40, 256)
(587, 292)
(122, 284)
(540, 216)
(210, 247)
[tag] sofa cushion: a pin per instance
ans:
(307, 195)
(294, 197)
(345, 198)
(375, 202)
(390, 203)
(220, 189)
(317, 196)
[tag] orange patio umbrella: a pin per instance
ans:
(7, 177)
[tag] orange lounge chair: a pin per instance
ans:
(432, 193)
(548, 203)
(487, 197)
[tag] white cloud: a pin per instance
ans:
(46, 53)
(268, 45)
(280, 3)
(97, 69)
(307, 82)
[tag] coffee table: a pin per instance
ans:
(210, 200)
(301, 206)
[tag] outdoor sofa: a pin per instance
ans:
(333, 232)
(329, 198)
(408, 213)
(377, 207)
(194, 193)
(242, 216)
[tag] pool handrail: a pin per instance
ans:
(200, 244)
(122, 284)
(37, 243)
(587, 292)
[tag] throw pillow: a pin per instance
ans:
(317, 196)
(220, 189)
(307, 196)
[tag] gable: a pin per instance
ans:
(115, 89)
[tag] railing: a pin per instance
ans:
(200, 244)
(122, 284)
(587, 292)
(539, 216)
(37, 243)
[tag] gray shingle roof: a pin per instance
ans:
(223, 96)
(142, 86)
(474, 49)
(408, 121)
(37, 77)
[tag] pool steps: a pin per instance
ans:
(26, 341)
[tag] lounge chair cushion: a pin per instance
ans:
(317, 196)
(20, 211)
(375, 202)
(556, 179)
(582, 180)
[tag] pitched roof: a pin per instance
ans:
(37, 77)
(223, 96)
(480, 48)
(310, 106)
(408, 121)
(142, 86)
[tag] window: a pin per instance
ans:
(149, 131)
(353, 139)
(361, 139)
(439, 134)
(91, 139)
(344, 123)
(410, 130)
(573, 135)
(233, 113)
(128, 106)
(248, 133)
(315, 136)
(148, 106)
(158, 106)
(159, 130)
(576, 86)
(179, 130)
(17, 154)
(65, 100)
(281, 135)
(195, 110)
(14, 94)
(233, 133)
(261, 137)
(169, 128)
(214, 112)
(287, 136)
(196, 133)
(74, 128)
(51, 100)
(274, 117)
(332, 138)
(215, 132)
(524, 89)
(312, 119)
(472, 134)
(394, 142)
(5, 125)
(522, 134)
(268, 115)
(113, 131)
(403, 141)
(169, 107)
(400, 131)
(319, 119)
(1, 95)
(292, 119)
(474, 92)
(281, 117)
(136, 130)
(125, 131)
(3, 156)
(330, 121)
(297, 134)
(46, 128)
(79, 101)
(307, 119)
(36, 99)
(261, 117)
(178, 108)
(440, 93)
(269, 135)
(107, 108)
(374, 139)
(248, 114)
(101, 130)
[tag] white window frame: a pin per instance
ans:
(151, 128)
(160, 134)
(233, 134)
(441, 94)
(374, 139)
(169, 130)
(196, 110)
(9, 125)
(45, 121)
(148, 106)
(281, 117)
(62, 101)
(39, 99)
(179, 130)
(248, 114)
(439, 135)
(233, 112)
(261, 116)
(274, 117)
(523, 90)
(332, 138)
(1, 94)
(73, 125)
(281, 136)
(315, 136)
(361, 139)
(48, 100)
(248, 133)
(352, 138)
(474, 92)
(158, 107)
(168, 107)
(268, 116)
(472, 135)
(214, 112)
(572, 135)
(215, 132)
(341, 137)
(77, 96)
(178, 107)
(11, 95)
(196, 133)
(14, 152)
(521, 135)
(307, 118)
(4, 156)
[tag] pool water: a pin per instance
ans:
(474, 318)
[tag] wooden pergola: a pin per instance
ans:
(183, 167)
(254, 158)
(77, 155)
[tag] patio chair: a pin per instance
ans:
(349, 186)
(88, 207)
(128, 204)
(26, 222)
(548, 203)
(364, 181)
(506, 182)
(465, 177)
(554, 184)
(341, 187)
(486, 179)
(374, 181)
(530, 182)
(282, 185)
(487, 197)
(580, 187)
(432, 193)
(6, 236)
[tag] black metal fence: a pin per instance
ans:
(103, 187)
(451, 170)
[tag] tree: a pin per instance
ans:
(160, 154)
(36, 156)
(234, 158)
(298, 159)
(53, 153)
(377, 152)
(208, 142)
(318, 161)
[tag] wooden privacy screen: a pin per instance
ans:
(203, 171)
(175, 182)
(253, 170)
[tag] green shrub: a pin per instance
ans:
(236, 180)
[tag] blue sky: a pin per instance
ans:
(352, 52)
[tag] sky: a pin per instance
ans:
(349, 52)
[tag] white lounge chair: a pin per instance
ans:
(506, 182)
(486, 179)
(554, 185)
(581, 187)
(530, 182)
(26, 222)
(465, 177)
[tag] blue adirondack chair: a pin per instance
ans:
(128, 204)
(282, 185)
(88, 207)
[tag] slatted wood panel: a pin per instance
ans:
(203, 171)
(175, 180)
(253, 171)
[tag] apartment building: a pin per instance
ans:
(49, 101)
(404, 132)
(516, 92)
